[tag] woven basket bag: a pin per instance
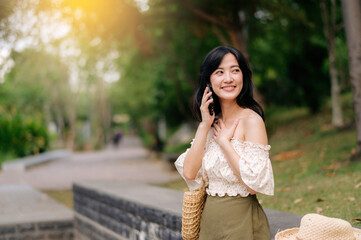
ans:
(193, 203)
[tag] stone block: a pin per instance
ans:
(15, 237)
(25, 228)
(46, 226)
(176, 236)
(64, 225)
(7, 229)
(137, 223)
(56, 235)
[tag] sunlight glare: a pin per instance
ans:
(142, 4)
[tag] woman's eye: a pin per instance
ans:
(219, 72)
(236, 70)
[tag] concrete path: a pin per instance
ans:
(23, 204)
(129, 162)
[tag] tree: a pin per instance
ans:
(37, 90)
(233, 21)
(288, 54)
(329, 28)
(351, 11)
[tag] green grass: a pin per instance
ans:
(64, 197)
(320, 177)
(177, 148)
(179, 185)
(311, 165)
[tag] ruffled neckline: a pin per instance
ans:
(252, 144)
(248, 143)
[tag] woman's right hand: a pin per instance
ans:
(207, 118)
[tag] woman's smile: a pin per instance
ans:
(228, 88)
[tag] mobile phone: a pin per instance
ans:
(211, 105)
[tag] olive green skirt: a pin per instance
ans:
(238, 218)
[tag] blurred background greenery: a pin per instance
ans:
(74, 72)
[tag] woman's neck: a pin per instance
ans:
(230, 111)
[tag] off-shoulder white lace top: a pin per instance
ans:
(254, 165)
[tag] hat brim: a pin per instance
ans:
(357, 233)
(290, 234)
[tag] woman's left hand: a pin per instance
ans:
(222, 134)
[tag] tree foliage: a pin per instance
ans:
(21, 135)
(146, 63)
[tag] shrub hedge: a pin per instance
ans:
(22, 135)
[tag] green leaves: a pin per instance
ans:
(22, 135)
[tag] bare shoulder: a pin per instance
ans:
(254, 128)
(249, 118)
(253, 119)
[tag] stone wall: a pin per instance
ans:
(62, 230)
(27, 214)
(114, 210)
(118, 210)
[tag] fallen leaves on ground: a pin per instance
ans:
(326, 127)
(358, 185)
(298, 200)
(320, 199)
(351, 199)
(319, 210)
(353, 151)
(331, 169)
(284, 189)
(287, 155)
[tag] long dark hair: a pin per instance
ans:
(209, 65)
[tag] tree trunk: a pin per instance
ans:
(329, 30)
(238, 38)
(238, 41)
(224, 41)
(60, 124)
(72, 127)
(351, 12)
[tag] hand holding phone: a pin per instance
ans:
(211, 105)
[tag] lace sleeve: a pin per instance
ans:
(255, 166)
(192, 184)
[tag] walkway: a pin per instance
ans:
(128, 162)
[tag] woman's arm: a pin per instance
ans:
(193, 160)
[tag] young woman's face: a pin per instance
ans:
(227, 79)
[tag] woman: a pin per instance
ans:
(230, 151)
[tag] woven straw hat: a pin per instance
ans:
(317, 227)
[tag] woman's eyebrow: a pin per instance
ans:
(221, 68)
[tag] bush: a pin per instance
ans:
(22, 135)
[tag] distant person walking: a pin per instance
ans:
(117, 138)
(230, 151)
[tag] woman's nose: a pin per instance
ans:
(227, 77)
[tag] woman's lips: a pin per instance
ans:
(228, 88)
